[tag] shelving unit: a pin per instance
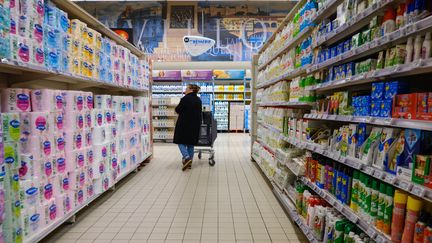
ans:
(312, 112)
(15, 74)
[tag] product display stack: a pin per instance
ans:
(341, 119)
(75, 114)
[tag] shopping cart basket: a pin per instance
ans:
(208, 134)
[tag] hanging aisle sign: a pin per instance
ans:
(197, 45)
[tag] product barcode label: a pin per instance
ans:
(404, 185)
(371, 231)
(390, 179)
(378, 174)
(368, 170)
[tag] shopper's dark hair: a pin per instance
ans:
(195, 88)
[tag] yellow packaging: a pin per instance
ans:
(77, 48)
(76, 28)
(219, 88)
(239, 88)
(88, 53)
(75, 65)
(91, 37)
(229, 96)
(219, 96)
(84, 68)
(229, 88)
(98, 41)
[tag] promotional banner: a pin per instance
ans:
(167, 75)
(229, 74)
(197, 75)
(197, 45)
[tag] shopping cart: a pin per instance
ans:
(208, 134)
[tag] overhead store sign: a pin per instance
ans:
(166, 75)
(197, 75)
(229, 74)
(197, 45)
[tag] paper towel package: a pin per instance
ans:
(11, 127)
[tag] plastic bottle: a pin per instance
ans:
(354, 192)
(374, 201)
(381, 207)
(426, 48)
(389, 23)
(414, 206)
(400, 201)
(417, 47)
(388, 211)
(299, 197)
(420, 227)
(409, 50)
(311, 211)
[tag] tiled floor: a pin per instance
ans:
(229, 202)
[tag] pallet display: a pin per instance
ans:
(75, 114)
(341, 118)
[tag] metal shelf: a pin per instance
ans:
(363, 224)
(258, 162)
(355, 23)
(381, 44)
(292, 43)
(270, 127)
(46, 231)
(266, 146)
(408, 186)
(298, 105)
(390, 122)
(286, 76)
(28, 74)
(415, 68)
(167, 92)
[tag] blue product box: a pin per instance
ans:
(413, 138)
(391, 89)
(377, 91)
(361, 136)
(386, 108)
(347, 45)
(350, 69)
(376, 108)
(343, 68)
(333, 51)
(340, 48)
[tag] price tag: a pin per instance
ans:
(404, 185)
(378, 174)
(380, 239)
(332, 117)
(339, 207)
(371, 231)
(418, 190)
(320, 116)
(321, 193)
(369, 170)
(390, 179)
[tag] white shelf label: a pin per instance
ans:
(418, 190)
(368, 170)
(404, 185)
(380, 239)
(371, 231)
(339, 207)
(390, 179)
(378, 174)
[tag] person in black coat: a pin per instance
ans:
(188, 124)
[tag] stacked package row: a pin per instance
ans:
(56, 156)
(37, 33)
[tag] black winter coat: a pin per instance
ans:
(189, 120)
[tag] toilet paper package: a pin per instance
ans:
(38, 55)
(64, 182)
(98, 168)
(89, 155)
(47, 166)
(88, 133)
(43, 100)
(113, 147)
(33, 220)
(102, 102)
(52, 59)
(60, 164)
(15, 100)
(49, 188)
(81, 178)
(98, 187)
(29, 193)
(73, 101)
(50, 211)
(98, 117)
(108, 116)
(59, 143)
(88, 119)
(73, 179)
(80, 197)
(11, 158)
(68, 201)
(73, 140)
(90, 190)
(11, 127)
(59, 199)
(73, 120)
(113, 162)
(30, 145)
(29, 168)
(90, 172)
(52, 37)
(75, 159)
(101, 151)
(58, 120)
(100, 134)
(36, 123)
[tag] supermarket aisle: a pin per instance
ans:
(226, 203)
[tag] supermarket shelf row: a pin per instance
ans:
(369, 229)
(414, 68)
(270, 127)
(410, 187)
(299, 105)
(45, 232)
(258, 162)
(290, 208)
(286, 76)
(390, 122)
(266, 146)
(28, 73)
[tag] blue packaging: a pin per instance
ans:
(361, 134)
(386, 108)
(52, 58)
(377, 91)
(65, 62)
(51, 37)
(350, 69)
(391, 89)
(50, 15)
(333, 51)
(413, 138)
(62, 21)
(376, 108)
(347, 45)
(340, 49)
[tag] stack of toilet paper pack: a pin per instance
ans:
(61, 149)
(36, 33)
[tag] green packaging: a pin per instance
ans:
(354, 192)
(388, 212)
(380, 60)
(381, 206)
(374, 200)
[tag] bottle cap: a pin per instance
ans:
(389, 15)
(414, 204)
(400, 197)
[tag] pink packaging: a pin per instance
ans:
(51, 212)
(58, 120)
(101, 152)
(73, 101)
(80, 196)
(68, 202)
(47, 166)
(98, 117)
(43, 100)
(15, 100)
(88, 97)
(88, 117)
(60, 163)
(49, 188)
(30, 145)
(76, 159)
(73, 120)
(88, 137)
(30, 167)
(64, 182)
(35, 123)
(90, 172)
(59, 202)
(90, 190)
(74, 140)
(59, 142)
(89, 155)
